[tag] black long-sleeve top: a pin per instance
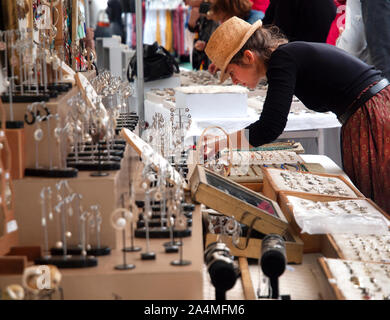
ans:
(322, 76)
(302, 20)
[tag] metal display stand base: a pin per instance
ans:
(102, 251)
(51, 173)
(68, 261)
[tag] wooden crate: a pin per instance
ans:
(150, 280)
(254, 179)
(314, 243)
(294, 246)
(241, 203)
(271, 190)
(332, 250)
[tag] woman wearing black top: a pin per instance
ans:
(324, 78)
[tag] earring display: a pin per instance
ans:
(369, 248)
(99, 122)
(97, 249)
(154, 225)
(120, 218)
(133, 208)
(145, 151)
(38, 115)
(181, 224)
(28, 81)
(355, 280)
(64, 256)
(357, 216)
(147, 255)
(276, 180)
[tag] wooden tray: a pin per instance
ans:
(335, 289)
(271, 190)
(241, 203)
(314, 243)
(333, 250)
(255, 174)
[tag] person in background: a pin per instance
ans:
(302, 20)
(222, 10)
(353, 39)
(114, 11)
(203, 27)
(325, 78)
(376, 19)
(260, 5)
(102, 29)
(338, 23)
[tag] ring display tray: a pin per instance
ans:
(369, 248)
(316, 242)
(356, 280)
(272, 188)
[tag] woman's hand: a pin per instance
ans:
(213, 69)
(200, 45)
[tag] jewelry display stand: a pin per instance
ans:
(133, 209)
(64, 260)
(38, 115)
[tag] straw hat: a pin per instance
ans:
(227, 40)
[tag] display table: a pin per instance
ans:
(302, 282)
(150, 280)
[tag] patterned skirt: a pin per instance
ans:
(366, 148)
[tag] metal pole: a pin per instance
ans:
(140, 62)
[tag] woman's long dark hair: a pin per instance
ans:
(263, 42)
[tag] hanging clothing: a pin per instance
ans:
(338, 22)
(168, 31)
(150, 27)
(353, 38)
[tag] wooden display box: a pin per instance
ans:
(234, 200)
(294, 246)
(272, 191)
(330, 247)
(254, 179)
(337, 294)
(314, 243)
